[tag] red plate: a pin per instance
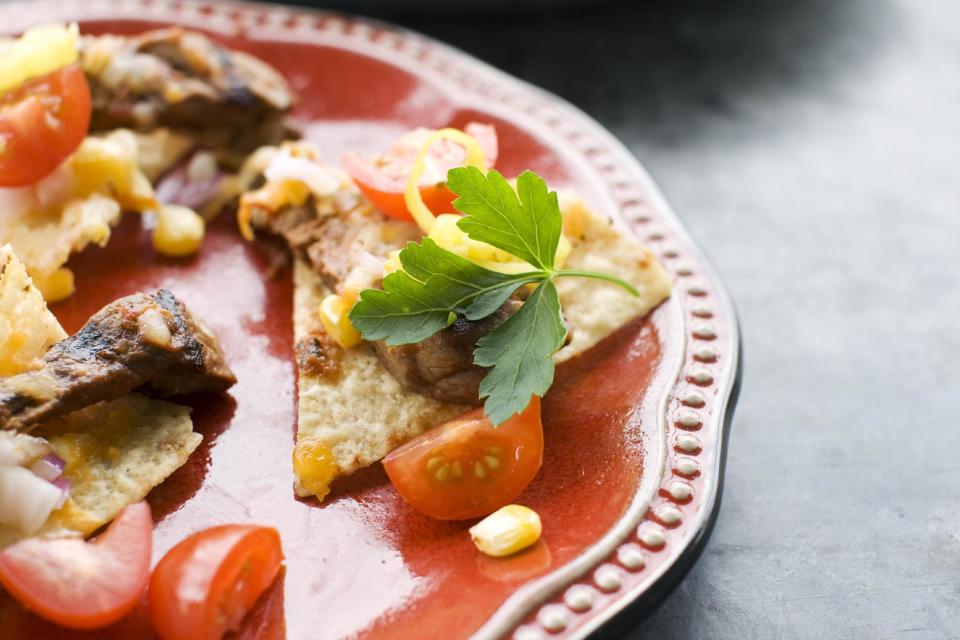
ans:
(634, 430)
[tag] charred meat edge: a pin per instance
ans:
(144, 341)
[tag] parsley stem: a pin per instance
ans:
(598, 276)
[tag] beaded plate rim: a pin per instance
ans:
(668, 520)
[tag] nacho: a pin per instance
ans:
(115, 452)
(351, 408)
(28, 328)
(352, 411)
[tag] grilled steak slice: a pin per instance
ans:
(441, 367)
(181, 79)
(346, 246)
(141, 341)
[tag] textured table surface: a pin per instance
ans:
(813, 148)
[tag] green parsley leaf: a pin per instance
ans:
(526, 223)
(520, 352)
(434, 286)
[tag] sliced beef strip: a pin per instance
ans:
(330, 243)
(441, 367)
(182, 79)
(150, 342)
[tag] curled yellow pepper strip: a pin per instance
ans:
(39, 51)
(411, 194)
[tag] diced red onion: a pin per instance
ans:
(49, 467)
(368, 261)
(176, 188)
(64, 485)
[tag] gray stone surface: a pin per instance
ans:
(813, 148)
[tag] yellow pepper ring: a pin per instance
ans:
(411, 194)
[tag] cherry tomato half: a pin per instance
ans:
(206, 584)
(382, 179)
(83, 585)
(41, 123)
(467, 468)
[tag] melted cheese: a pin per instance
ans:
(74, 207)
(116, 452)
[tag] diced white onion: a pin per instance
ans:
(202, 166)
(285, 166)
(9, 451)
(16, 449)
(368, 261)
(49, 467)
(25, 499)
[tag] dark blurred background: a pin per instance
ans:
(813, 149)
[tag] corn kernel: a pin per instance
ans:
(333, 315)
(315, 468)
(57, 286)
(179, 231)
(508, 530)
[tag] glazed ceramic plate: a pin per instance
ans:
(634, 430)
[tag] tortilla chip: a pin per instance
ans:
(594, 309)
(352, 407)
(27, 328)
(44, 241)
(116, 452)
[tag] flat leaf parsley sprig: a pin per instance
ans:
(435, 286)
